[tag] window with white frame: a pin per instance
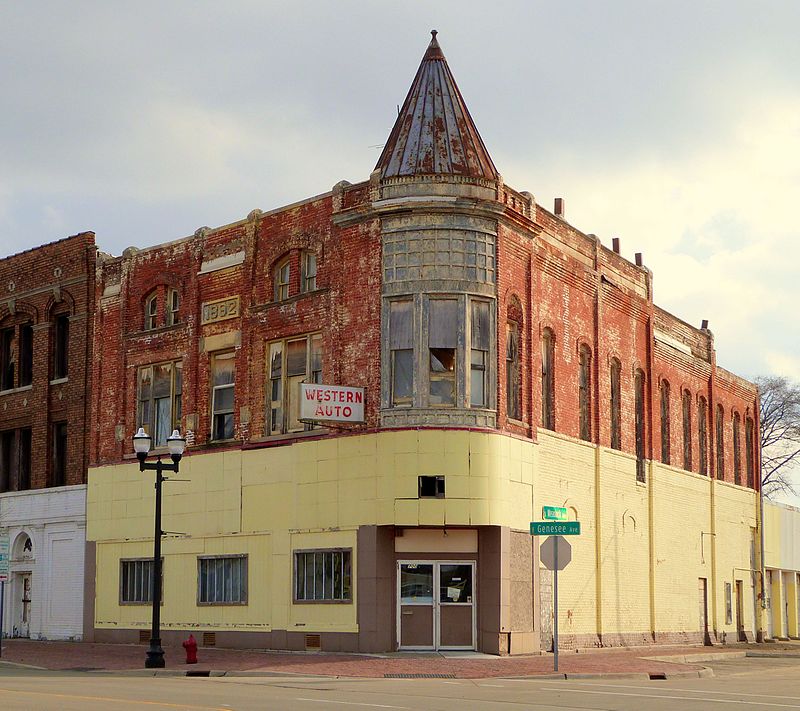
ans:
(323, 575)
(151, 311)
(173, 305)
(282, 280)
(136, 581)
(291, 361)
(222, 580)
(308, 272)
(159, 393)
(223, 379)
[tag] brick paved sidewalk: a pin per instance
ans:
(80, 656)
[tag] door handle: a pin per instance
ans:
(407, 612)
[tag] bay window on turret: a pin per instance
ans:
(439, 352)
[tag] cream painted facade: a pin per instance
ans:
(634, 576)
(782, 561)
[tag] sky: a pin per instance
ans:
(674, 126)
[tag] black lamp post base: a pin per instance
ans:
(155, 655)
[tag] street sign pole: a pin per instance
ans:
(2, 606)
(555, 609)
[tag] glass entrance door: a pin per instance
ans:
(436, 604)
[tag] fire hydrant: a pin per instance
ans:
(190, 645)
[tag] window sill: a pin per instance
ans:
(156, 331)
(290, 299)
(59, 381)
(222, 604)
(20, 389)
(322, 602)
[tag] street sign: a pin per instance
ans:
(554, 513)
(555, 528)
(555, 559)
(4, 558)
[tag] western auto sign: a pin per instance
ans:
(336, 403)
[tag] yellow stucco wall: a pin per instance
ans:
(634, 568)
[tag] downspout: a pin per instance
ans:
(762, 564)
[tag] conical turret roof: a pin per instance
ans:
(434, 133)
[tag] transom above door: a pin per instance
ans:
(436, 604)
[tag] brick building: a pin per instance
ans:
(508, 361)
(45, 340)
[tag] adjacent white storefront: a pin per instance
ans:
(47, 534)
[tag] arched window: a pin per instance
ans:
(308, 272)
(750, 449)
(720, 436)
(702, 434)
(150, 311)
(737, 449)
(585, 393)
(60, 345)
(173, 306)
(665, 431)
(513, 389)
(548, 380)
(281, 278)
(616, 406)
(687, 430)
(639, 397)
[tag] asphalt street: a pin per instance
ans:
(737, 684)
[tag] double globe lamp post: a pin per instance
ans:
(141, 445)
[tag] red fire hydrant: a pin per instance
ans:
(190, 645)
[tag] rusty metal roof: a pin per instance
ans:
(434, 133)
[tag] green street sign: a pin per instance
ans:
(555, 528)
(554, 513)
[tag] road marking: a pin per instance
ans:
(112, 698)
(693, 691)
(353, 703)
(674, 698)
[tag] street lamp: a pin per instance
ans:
(141, 445)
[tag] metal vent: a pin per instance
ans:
(144, 636)
(313, 642)
(209, 639)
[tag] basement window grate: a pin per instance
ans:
(209, 639)
(313, 643)
(144, 636)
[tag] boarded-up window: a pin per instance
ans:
(665, 431)
(513, 390)
(639, 424)
(687, 430)
(585, 393)
(749, 444)
(702, 434)
(720, 437)
(616, 424)
(737, 449)
(401, 345)
(548, 380)
(442, 344)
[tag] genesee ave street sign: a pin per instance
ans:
(555, 528)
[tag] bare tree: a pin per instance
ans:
(780, 433)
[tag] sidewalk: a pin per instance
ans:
(656, 661)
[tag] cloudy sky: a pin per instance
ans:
(672, 125)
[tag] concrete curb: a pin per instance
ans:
(694, 658)
(19, 665)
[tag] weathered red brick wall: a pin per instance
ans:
(36, 284)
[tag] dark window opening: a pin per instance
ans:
(687, 430)
(513, 389)
(665, 423)
(616, 423)
(749, 444)
(737, 449)
(61, 347)
(6, 460)
(640, 423)
(24, 462)
(7, 357)
(702, 435)
(431, 487)
(548, 380)
(59, 471)
(585, 394)
(720, 442)
(25, 354)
